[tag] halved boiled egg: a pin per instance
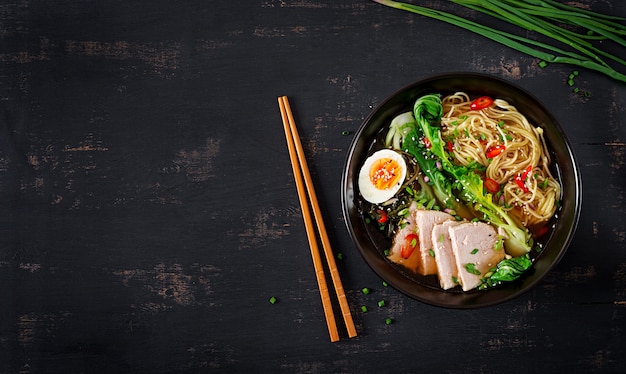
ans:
(381, 176)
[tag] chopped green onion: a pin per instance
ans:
(474, 251)
(471, 268)
(366, 291)
(381, 303)
(273, 300)
(388, 321)
(385, 284)
(363, 308)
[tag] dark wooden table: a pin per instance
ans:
(148, 208)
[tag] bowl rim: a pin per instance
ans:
(470, 299)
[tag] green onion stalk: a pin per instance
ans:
(546, 17)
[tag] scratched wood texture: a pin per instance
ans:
(148, 209)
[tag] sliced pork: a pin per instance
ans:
(426, 221)
(405, 246)
(473, 246)
(442, 246)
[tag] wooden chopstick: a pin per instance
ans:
(306, 189)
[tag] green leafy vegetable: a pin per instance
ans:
(507, 270)
(547, 17)
(434, 185)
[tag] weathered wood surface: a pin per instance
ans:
(148, 209)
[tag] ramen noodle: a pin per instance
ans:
(512, 150)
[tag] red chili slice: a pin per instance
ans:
(481, 103)
(383, 216)
(520, 179)
(495, 150)
(527, 172)
(412, 241)
(491, 185)
(450, 146)
(520, 183)
(426, 142)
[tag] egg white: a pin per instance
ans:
(368, 190)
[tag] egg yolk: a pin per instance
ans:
(385, 173)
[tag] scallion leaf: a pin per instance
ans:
(548, 18)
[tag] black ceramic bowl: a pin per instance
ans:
(371, 243)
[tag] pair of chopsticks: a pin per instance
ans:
(307, 196)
